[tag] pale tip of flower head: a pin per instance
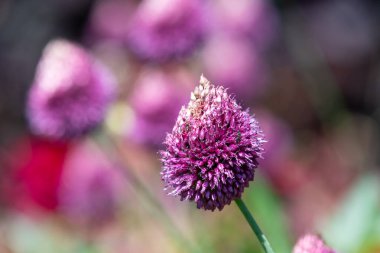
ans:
(202, 89)
(193, 96)
(203, 80)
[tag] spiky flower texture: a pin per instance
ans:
(213, 150)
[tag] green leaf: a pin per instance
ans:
(31, 236)
(355, 218)
(268, 211)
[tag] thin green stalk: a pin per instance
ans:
(255, 228)
(157, 208)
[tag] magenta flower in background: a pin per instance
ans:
(91, 188)
(280, 135)
(235, 64)
(311, 244)
(70, 93)
(286, 174)
(166, 29)
(156, 100)
(110, 20)
(213, 150)
(256, 20)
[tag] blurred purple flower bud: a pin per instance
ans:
(311, 244)
(91, 188)
(284, 173)
(166, 29)
(213, 150)
(234, 64)
(257, 20)
(110, 20)
(70, 93)
(281, 138)
(156, 100)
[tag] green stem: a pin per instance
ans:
(156, 207)
(252, 223)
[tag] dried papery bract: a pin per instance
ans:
(213, 150)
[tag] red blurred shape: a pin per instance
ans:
(37, 167)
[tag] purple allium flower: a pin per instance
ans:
(213, 150)
(166, 29)
(281, 139)
(91, 188)
(310, 243)
(70, 93)
(110, 19)
(280, 169)
(156, 100)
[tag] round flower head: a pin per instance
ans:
(70, 92)
(213, 150)
(166, 29)
(157, 98)
(311, 244)
(109, 20)
(91, 188)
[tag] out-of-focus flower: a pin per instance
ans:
(279, 134)
(311, 244)
(37, 171)
(252, 19)
(70, 93)
(285, 173)
(110, 20)
(213, 150)
(317, 192)
(166, 29)
(234, 64)
(91, 187)
(156, 100)
(344, 30)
